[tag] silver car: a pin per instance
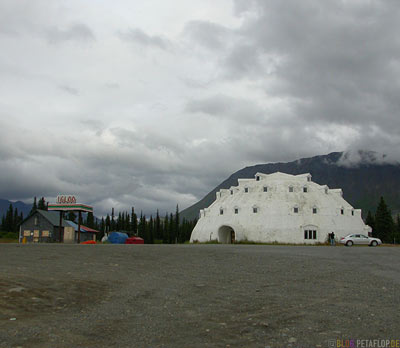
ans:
(360, 239)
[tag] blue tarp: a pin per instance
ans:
(117, 237)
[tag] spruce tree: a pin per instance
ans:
(9, 220)
(157, 227)
(141, 227)
(397, 230)
(112, 227)
(171, 229)
(34, 206)
(119, 222)
(108, 224)
(151, 230)
(176, 226)
(102, 225)
(165, 230)
(370, 221)
(383, 222)
(133, 222)
(15, 220)
(71, 216)
(42, 204)
(90, 220)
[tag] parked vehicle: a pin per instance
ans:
(360, 239)
(134, 240)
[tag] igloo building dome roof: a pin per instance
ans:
(280, 208)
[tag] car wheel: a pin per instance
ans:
(374, 243)
(349, 243)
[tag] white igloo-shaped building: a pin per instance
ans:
(279, 208)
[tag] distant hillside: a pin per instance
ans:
(363, 182)
(21, 206)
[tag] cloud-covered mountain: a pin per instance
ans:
(21, 206)
(364, 176)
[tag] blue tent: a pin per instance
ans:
(117, 237)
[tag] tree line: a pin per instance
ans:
(12, 218)
(171, 229)
(168, 229)
(383, 225)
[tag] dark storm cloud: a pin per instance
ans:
(138, 36)
(336, 64)
(338, 59)
(73, 32)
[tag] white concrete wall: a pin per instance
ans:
(275, 219)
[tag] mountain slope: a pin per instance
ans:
(22, 207)
(363, 182)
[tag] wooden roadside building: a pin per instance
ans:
(44, 227)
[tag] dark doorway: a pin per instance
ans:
(226, 235)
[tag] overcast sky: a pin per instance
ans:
(153, 103)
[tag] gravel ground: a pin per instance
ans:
(196, 295)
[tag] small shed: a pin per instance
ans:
(87, 233)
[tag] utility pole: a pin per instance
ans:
(60, 227)
(79, 226)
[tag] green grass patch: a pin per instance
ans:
(8, 235)
(8, 240)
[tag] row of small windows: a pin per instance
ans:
(255, 210)
(258, 178)
(295, 210)
(342, 212)
(265, 189)
(236, 210)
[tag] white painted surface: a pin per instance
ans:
(275, 219)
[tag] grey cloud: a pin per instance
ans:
(353, 158)
(222, 106)
(127, 175)
(69, 90)
(243, 61)
(139, 169)
(210, 35)
(74, 32)
(138, 36)
(112, 85)
(336, 61)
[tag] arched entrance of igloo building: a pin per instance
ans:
(226, 235)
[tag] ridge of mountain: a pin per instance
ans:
(363, 176)
(21, 206)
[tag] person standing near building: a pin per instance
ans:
(332, 236)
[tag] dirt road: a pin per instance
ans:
(196, 295)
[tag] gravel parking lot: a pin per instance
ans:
(196, 295)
